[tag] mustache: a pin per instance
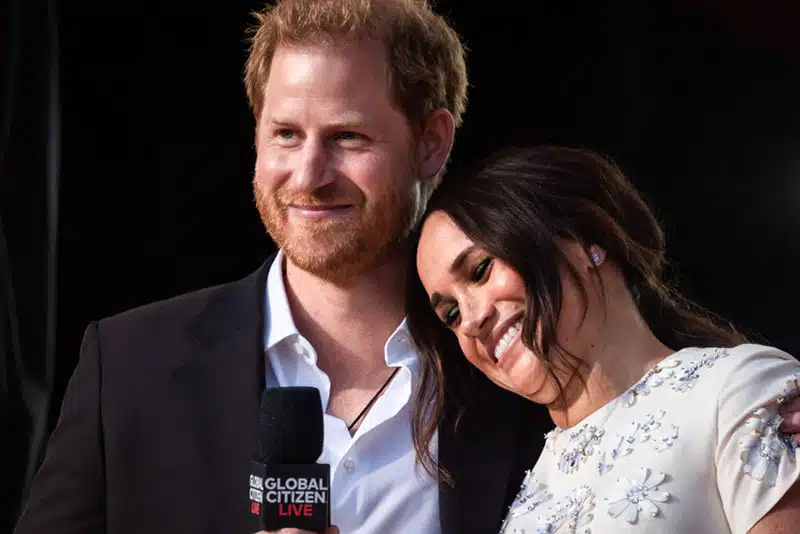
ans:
(312, 200)
(321, 197)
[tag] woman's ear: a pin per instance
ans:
(596, 256)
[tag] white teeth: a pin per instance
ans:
(510, 334)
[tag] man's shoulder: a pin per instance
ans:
(175, 309)
(226, 302)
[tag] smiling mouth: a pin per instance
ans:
(509, 337)
(317, 207)
(317, 211)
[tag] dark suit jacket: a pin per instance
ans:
(159, 421)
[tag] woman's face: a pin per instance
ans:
(482, 300)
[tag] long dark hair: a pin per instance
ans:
(517, 206)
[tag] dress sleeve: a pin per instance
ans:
(755, 463)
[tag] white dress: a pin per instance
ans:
(691, 448)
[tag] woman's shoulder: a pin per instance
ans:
(743, 351)
(749, 350)
(748, 365)
(700, 374)
(732, 385)
(756, 463)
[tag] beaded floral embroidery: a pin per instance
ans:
(640, 432)
(638, 494)
(550, 439)
(687, 376)
(654, 377)
(763, 450)
(582, 444)
(571, 514)
(533, 494)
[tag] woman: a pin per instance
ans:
(548, 267)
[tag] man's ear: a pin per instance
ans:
(435, 142)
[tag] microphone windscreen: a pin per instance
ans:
(291, 427)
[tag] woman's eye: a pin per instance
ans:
(451, 315)
(480, 270)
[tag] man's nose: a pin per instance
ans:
(312, 168)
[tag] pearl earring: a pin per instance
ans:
(597, 259)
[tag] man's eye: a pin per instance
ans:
(285, 134)
(349, 136)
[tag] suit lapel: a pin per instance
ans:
(497, 438)
(222, 379)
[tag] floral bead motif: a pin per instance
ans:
(764, 449)
(550, 439)
(687, 376)
(655, 377)
(666, 440)
(531, 495)
(791, 389)
(640, 432)
(571, 514)
(790, 392)
(638, 494)
(582, 444)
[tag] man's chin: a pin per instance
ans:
(321, 255)
(336, 264)
(337, 272)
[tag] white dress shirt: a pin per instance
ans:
(375, 485)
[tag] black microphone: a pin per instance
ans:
(288, 489)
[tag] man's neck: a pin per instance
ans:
(348, 324)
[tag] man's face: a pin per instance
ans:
(335, 171)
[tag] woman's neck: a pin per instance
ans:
(625, 351)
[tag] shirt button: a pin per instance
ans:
(349, 465)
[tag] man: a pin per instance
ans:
(356, 105)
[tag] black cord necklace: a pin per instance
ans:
(372, 401)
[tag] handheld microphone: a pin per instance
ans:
(288, 489)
